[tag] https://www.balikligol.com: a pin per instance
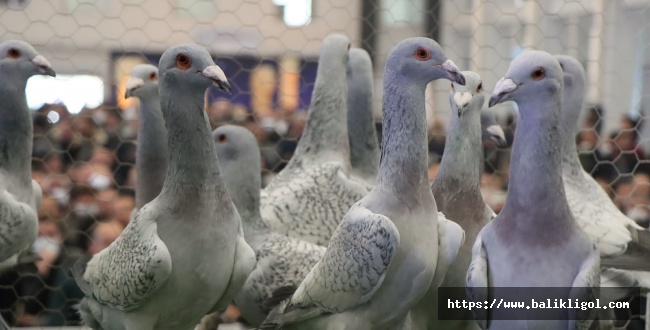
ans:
(536, 304)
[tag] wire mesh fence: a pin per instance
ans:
(85, 129)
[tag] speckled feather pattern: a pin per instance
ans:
(136, 264)
(309, 202)
(354, 265)
(18, 226)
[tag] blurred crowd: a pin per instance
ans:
(85, 166)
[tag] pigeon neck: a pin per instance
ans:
(326, 133)
(244, 183)
(403, 165)
(460, 164)
(571, 107)
(535, 169)
(193, 175)
(364, 147)
(16, 131)
(152, 155)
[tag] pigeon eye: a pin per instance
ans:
(538, 74)
(222, 138)
(480, 87)
(152, 76)
(13, 53)
(183, 61)
(422, 54)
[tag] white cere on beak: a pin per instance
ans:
(134, 83)
(496, 130)
(504, 85)
(215, 73)
(41, 61)
(450, 66)
(462, 99)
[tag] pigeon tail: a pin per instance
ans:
(636, 257)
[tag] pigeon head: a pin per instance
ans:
(233, 142)
(335, 51)
(143, 80)
(19, 59)
(531, 73)
(491, 130)
(469, 95)
(191, 66)
(359, 61)
(423, 59)
(574, 77)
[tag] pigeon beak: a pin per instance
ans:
(497, 135)
(502, 90)
(43, 66)
(452, 72)
(131, 85)
(214, 73)
(462, 99)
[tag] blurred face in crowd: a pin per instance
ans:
(122, 209)
(103, 235)
(105, 199)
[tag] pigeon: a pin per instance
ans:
(281, 261)
(456, 190)
(491, 130)
(383, 256)
(20, 196)
(183, 255)
(364, 146)
(613, 232)
(152, 155)
(535, 240)
(310, 196)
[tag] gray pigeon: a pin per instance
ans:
(456, 189)
(281, 261)
(491, 130)
(183, 255)
(384, 255)
(310, 196)
(613, 232)
(534, 241)
(364, 146)
(20, 196)
(152, 155)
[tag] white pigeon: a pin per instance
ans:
(152, 155)
(593, 210)
(384, 254)
(20, 196)
(183, 255)
(535, 240)
(281, 261)
(310, 196)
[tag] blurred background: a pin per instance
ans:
(85, 131)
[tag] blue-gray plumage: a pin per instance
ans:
(20, 196)
(383, 256)
(534, 241)
(457, 192)
(183, 254)
(152, 156)
(310, 196)
(281, 261)
(364, 147)
(491, 130)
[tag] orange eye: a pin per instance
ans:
(538, 74)
(480, 87)
(13, 53)
(222, 138)
(422, 54)
(183, 61)
(152, 76)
